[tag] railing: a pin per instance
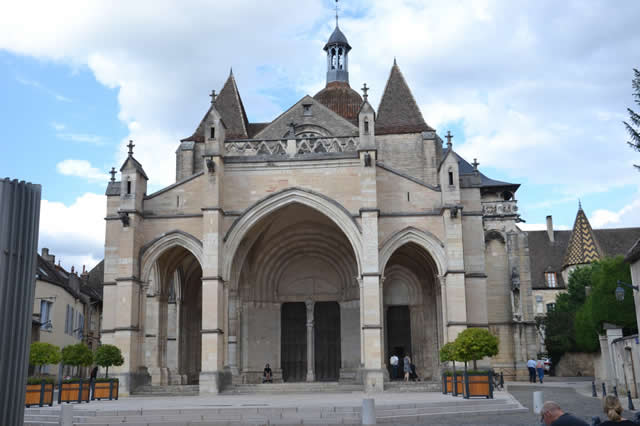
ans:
(292, 147)
(500, 208)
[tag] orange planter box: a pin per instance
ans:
(479, 385)
(101, 390)
(32, 396)
(69, 392)
(449, 384)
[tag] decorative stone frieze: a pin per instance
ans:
(500, 208)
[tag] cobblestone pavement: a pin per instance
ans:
(572, 402)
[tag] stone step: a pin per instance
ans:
(167, 390)
(400, 386)
(311, 387)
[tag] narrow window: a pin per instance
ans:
(366, 126)
(128, 186)
(450, 178)
(408, 197)
(213, 132)
(66, 320)
(306, 109)
(178, 201)
(539, 305)
(551, 307)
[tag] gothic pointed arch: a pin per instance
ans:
(150, 252)
(323, 204)
(425, 239)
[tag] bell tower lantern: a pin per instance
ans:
(337, 49)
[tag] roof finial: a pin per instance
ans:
(131, 145)
(395, 64)
(475, 164)
(230, 71)
(336, 13)
(449, 136)
(579, 204)
(365, 89)
(213, 96)
(113, 174)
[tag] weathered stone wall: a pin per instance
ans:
(574, 364)
(410, 154)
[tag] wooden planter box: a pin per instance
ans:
(106, 390)
(40, 394)
(447, 385)
(74, 392)
(478, 385)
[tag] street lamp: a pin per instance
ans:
(620, 290)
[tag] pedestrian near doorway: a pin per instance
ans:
(540, 369)
(531, 366)
(407, 368)
(394, 366)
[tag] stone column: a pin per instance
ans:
(232, 354)
(310, 342)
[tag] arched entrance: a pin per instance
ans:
(412, 308)
(173, 309)
(294, 299)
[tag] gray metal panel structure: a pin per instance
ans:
(19, 220)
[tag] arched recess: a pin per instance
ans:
(325, 205)
(150, 252)
(425, 239)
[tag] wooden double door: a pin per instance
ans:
(326, 334)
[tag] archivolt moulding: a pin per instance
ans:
(424, 239)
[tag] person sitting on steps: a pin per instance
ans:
(267, 375)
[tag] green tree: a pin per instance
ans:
(108, 355)
(78, 355)
(473, 344)
(448, 353)
(42, 353)
(634, 127)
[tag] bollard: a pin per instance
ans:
(593, 390)
(66, 415)
(604, 390)
(631, 407)
(368, 411)
(615, 391)
(538, 401)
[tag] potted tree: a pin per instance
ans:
(40, 389)
(107, 356)
(78, 355)
(473, 344)
(450, 382)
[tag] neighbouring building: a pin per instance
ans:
(321, 243)
(554, 254)
(66, 307)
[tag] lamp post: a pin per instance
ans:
(620, 290)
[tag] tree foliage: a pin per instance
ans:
(475, 343)
(577, 320)
(109, 355)
(447, 352)
(633, 126)
(42, 353)
(78, 355)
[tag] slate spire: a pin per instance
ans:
(583, 247)
(398, 111)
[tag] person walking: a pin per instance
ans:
(394, 366)
(612, 408)
(540, 370)
(92, 381)
(531, 366)
(407, 368)
(552, 415)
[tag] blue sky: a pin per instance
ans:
(536, 92)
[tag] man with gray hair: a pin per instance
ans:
(552, 414)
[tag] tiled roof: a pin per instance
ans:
(229, 104)
(337, 37)
(340, 98)
(398, 112)
(583, 247)
(55, 275)
(465, 168)
(546, 256)
(634, 253)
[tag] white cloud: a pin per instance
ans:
(38, 85)
(81, 168)
(58, 126)
(625, 217)
(81, 137)
(74, 233)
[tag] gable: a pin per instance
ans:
(319, 119)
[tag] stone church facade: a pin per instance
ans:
(321, 243)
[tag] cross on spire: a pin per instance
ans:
(475, 164)
(449, 136)
(113, 174)
(131, 145)
(365, 89)
(213, 96)
(336, 13)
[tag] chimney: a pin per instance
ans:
(550, 228)
(48, 257)
(85, 273)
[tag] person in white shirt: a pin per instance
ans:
(394, 366)
(531, 365)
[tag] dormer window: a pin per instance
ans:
(306, 109)
(212, 135)
(550, 278)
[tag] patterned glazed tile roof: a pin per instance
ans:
(583, 247)
(398, 111)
